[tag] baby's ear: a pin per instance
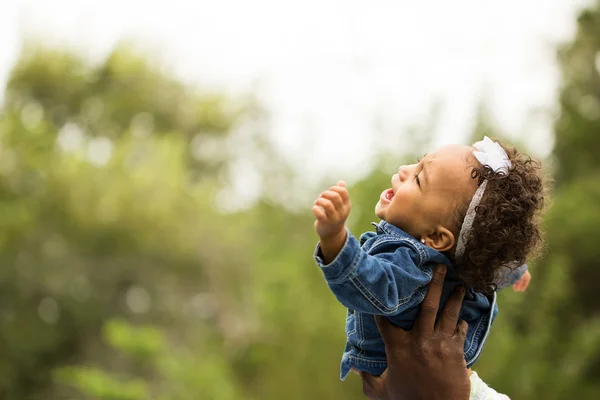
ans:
(441, 240)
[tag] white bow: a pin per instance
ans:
(493, 155)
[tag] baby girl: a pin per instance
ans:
(473, 208)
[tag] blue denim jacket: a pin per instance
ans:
(387, 274)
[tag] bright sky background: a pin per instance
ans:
(327, 69)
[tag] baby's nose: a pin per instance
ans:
(402, 171)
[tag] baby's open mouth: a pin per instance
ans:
(387, 195)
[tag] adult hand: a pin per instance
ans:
(428, 361)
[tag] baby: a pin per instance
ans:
(475, 209)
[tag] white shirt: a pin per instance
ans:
(481, 391)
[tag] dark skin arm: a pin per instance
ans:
(428, 361)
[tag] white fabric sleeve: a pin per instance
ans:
(481, 391)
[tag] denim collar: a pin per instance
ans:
(384, 227)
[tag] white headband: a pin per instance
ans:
(488, 153)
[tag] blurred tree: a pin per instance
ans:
(572, 226)
(577, 163)
(126, 93)
(107, 178)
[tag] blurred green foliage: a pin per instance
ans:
(123, 277)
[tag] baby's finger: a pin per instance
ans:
(526, 280)
(319, 213)
(518, 287)
(327, 206)
(334, 196)
(342, 191)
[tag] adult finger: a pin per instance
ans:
(451, 311)
(460, 333)
(431, 303)
(373, 386)
(393, 337)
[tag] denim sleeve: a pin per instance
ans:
(512, 277)
(385, 282)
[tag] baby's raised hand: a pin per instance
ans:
(331, 209)
(522, 283)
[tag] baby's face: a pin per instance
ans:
(424, 196)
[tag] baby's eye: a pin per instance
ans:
(417, 180)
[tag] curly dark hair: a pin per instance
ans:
(506, 230)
